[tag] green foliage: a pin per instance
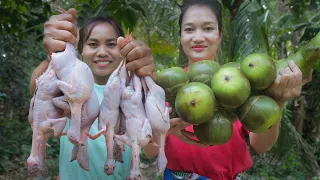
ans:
(21, 29)
(223, 55)
(22, 17)
(125, 12)
(290, 168)
(18, 58)
(15, 146)
(13, 143)
(250, 26)
(159, 29)
(274, 27)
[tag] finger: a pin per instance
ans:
(139, 63)
(62, 35)
(58, 46)
(296, 70)
(284, 79)
(138, 52)
(63, 17)
(286, 70)
(284, 82)
(146, 70)
(65, 29)
(292, 80)
(276, 82)
(73, 12)
(67, 26)
(294, 67)
(121, 42)
(125, 48)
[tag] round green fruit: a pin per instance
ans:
(260, 69)
(230, 114)
(232, 64)
(230, 86)
(217, 131)
(202, 71)
(171, 80)
(195, 103)
(259, 113)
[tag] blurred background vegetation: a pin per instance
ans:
(276, 27)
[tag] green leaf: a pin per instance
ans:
(137, 7)
(100, 7)
(114, 5)
(87, 9)
(127, 18)
(248, 26)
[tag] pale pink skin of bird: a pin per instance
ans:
(158, 115)
(89, 113)
(109, 113)
(138, 128)
(76, 82)
(45, 120)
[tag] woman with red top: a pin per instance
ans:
(201, 33)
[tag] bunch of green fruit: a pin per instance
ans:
(213, 97)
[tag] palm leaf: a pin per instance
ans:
(248, 30)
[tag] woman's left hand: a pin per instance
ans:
(139, 57)
(288, 84)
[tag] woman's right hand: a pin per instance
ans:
(60, 29)
(177, 128)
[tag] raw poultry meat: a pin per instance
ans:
(89, 113)
(138, 129)
(75, 80)
(158, 115)
(45, 120)
(120, 130)
(109, 114)
(75, 98)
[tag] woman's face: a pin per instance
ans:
(101, 53)
(200, 36)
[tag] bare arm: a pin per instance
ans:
(38, 71)
(287, 85)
